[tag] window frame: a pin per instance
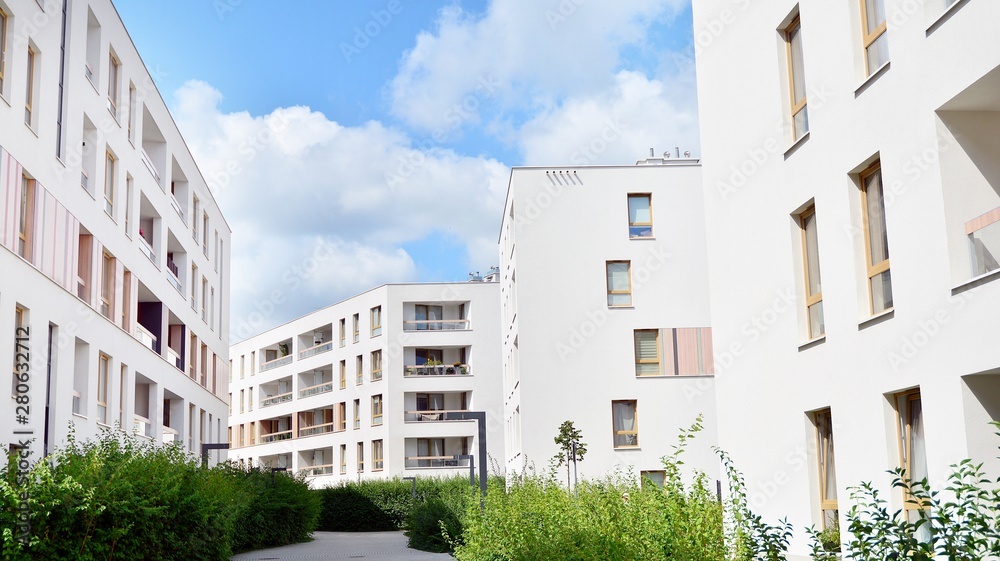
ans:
(108, 267)
(378, 452)
(4, 19)
(343, 374)
(357, 414)
(796, 106)
(110, 182)
(817, 298)
(29, 93)
(377, 413)
(610, 292)
(103, 380)
(26, 220)
(658, 361)
(823, 423)
(359, 376)
(625, 433)
(649, 204)
(341, 418)
(376, 365)
(375, 319)
(361, 457)
(343, 332)
(343, 459)
(869, 36)
(904, 442)
(356, 321)
(873, 269)
(114, 83)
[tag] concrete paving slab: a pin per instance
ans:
(370, 546)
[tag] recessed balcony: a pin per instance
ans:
(276, 429)
(425, 407)
(447, 316)
(316, 421)
(436, 453)
(315, 382)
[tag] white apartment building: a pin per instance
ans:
(115, 266)
(606, 315)
(364, 388)
(853, 197)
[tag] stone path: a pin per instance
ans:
(370, 546)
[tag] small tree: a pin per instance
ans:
(571, 447)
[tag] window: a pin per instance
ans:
(250, 398)
(242, 400)
(114, 74)
(430, 402)
(361, 457)
(876, 240)
(432, 315)
(194, 287)
(194, 216)
(376, 321)
(640, 216)
(107, 285)
(128, 205)
(26, 221)
(126, 313)
(360, 374)
(357, 330)
(103, 373)
(204, 234)
(253, 362)
(647, 352)
(3, 48)
(343, 332)
(204, 299)
(874, 38)
(131, 113)
(29, 93)
(619, 283)
(912, 448)
(230, 407)
(376, 410)
(377, 463)
(343, 374)
(242, 365)
(341, 416)
(810, 260)
(109, 184)
(430, 452)
(343, 459)
(827, 467)
(796, 79)
(357, 414)
(19, 321)
(376, 365)
(653, 477)
(626, 428)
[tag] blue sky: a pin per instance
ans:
(351, 144)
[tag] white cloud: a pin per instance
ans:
(290, 178)
(529, 53)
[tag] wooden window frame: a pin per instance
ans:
(110, 182)
(343, 374)
(824, 444)
(356, 320)
(357, 414)
(869, 36)
(4, 18)
(26, 224)
(659, 355)
(811, 299)
(649, 201)
(615, 432)
(130, 124)
(359, 376)
(796, 106)
(375, 318)
(376, 365)
(611, 292)
(904, 442)
(361, 457)
(378, 451)
(343, 459)
(872, 269)
(343, 332)
(377, 406)
(108, 266)
(103, 380)
(29, 93)
(114, 83)
(341, 418)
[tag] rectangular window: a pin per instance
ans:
(430, 452)
(357, 414)
(377, 463)
(114, 75)
(103, 375)
(3, 49)
(204, 234)
(131, 113)
(109, 184)
(194, 216)
(626, 426)
(218, 251)
(343, 374)
(357, 329)
(619, 283)
(376, 410)
(204, 299)
(230, 404)
(428, 317)
(912, 447)
(343, 332)
(796, 78)
(827, 468)
(640, 216)
(242, 365)
(376, 321)
(194, 287)
(29, 92)
(430, 402)
(359, 372)
(341, 416)
(128, 205)
(242, 400)
(107, 285)
(26, 220)
(361, 457)
(654, 477)
(376, 365)
(343, 459)
(876, 240)
(126, 313)
(647, 352)
(874, 36)
(253, 362)
(984, 242)
(250, 399)
(814, 285)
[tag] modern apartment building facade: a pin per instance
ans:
(853, 201)
(605, 313)
(364, 388)
(114, 293)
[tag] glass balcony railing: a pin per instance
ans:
(145, 337)
(147, 249)
(313, 351)
(429, 415)
(437, 370)
(436, 325)
(317, 470)
(435, 462)
(287, 359)
(174, 358)
(276, 399)
(142, 426)
(316, 390)
(984, 242)
(316, 429)
(276, 436)
(170, 435)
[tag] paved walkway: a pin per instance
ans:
(371, 546)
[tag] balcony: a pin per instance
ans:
(173, 280)
(149, 164)
(145, 337)
(316, 390)
(276, 436)
(176, 206)
(315, 429)
(435, 462)
(436, 370)
(146, 248)
(272, 364)
(174, 358)
(274, 400)
(429, 415)
(984, 240)
(142, 427)
(325, 469)
(436, 325)
(315, 350)
(170, 436)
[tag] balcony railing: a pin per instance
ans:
(436, 370)
(276, 399)
(287, 359)
(317, 470)
(984, 242)
(149, 164)
(313, 351)
(84, 180)
(147, 249)
(436, 325)
(145, 337)
(276, 436)
(316, 429)
(143, 427)
(317, 389)
(174, 281)
(77, 403)
(177, 206)
(429, 415)
(174, 358)
(170, 435)
(435, 462)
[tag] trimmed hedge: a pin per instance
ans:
(381, 505)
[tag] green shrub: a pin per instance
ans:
(381, 505)
(282, 509)
(432, 526)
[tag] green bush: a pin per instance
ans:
(381, 505)
(124, 497)
(433, 525)
(282, 509)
